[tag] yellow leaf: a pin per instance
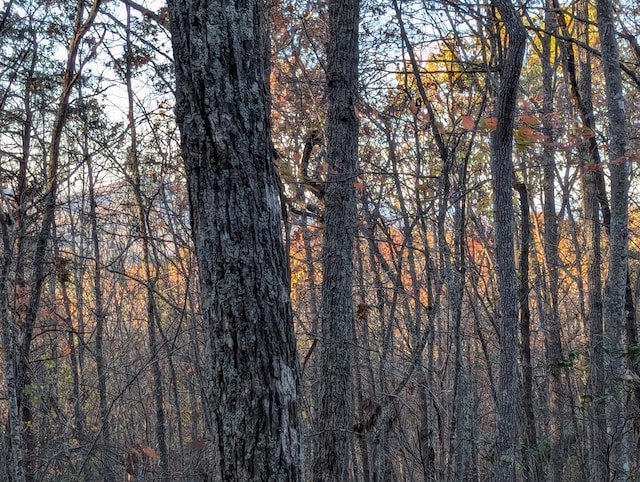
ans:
(526, 133)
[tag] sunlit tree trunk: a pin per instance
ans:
(222, 109)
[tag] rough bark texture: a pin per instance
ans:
(502, 180)
(15, 458)
(335, 416)
(222, 109)
(614, 300)
(593, 205)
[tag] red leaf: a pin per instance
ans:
(468, 123)
(149, 452)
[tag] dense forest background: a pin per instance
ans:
(103, 345)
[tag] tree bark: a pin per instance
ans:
(530, 451)
(15, 440)
(502, 180)
(222, 109)
(335, 418)
(614, 298)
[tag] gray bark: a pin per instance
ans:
(614, 298)
(222, 109)
(9, 343)
(598, 442)
(335, 417)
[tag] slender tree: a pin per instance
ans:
(502, 181)
(153, 317)
(222, 109)
(335, 416)
(551, 254)
(614, 299)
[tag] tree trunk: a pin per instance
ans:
(23, 373)
(101, 319)
(14, 440)
(222, 109)
(153, 316)
(552, 261)
(530, 450)
(614, 297)
(502, 180)
(335, 417)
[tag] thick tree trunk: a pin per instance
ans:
(335, 417)
(502, 181)
(222, 109)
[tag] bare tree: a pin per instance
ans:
(615, 286)
(502, 181)
(335, 416)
